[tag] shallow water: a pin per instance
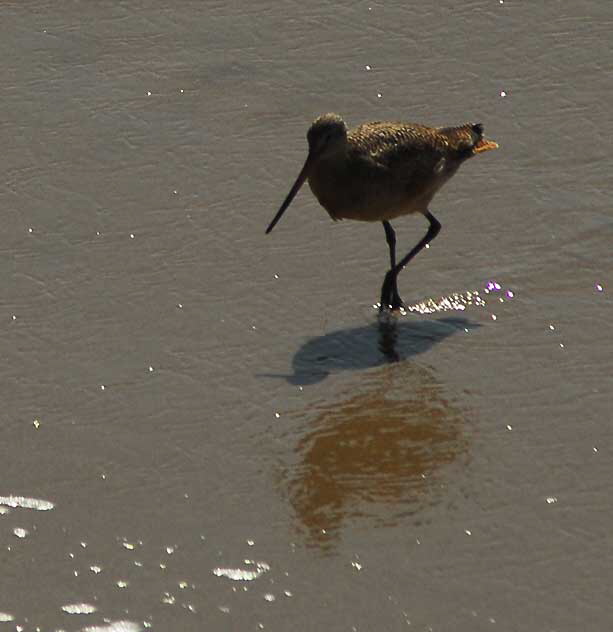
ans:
(206, 427)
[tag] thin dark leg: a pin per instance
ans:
(390, 280)
(390, 237)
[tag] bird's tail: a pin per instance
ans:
(468, 139)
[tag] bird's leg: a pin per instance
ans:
(392, 298)
(389, 283)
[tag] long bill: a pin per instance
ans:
(302, 176)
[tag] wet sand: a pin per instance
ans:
(208, 428)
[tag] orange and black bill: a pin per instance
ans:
(485, 145)
(302, 176)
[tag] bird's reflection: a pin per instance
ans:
(388, 339)
(376, 455)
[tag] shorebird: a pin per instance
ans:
(379, 171)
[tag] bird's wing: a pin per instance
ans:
(407, 152)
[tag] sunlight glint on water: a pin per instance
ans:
(453, 302)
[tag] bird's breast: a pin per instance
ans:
(363, 192)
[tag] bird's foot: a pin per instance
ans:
(397, 304)
(390, 299)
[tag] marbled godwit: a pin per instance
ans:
(380, 171)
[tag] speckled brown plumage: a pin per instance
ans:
(390, 169)
(379, 171)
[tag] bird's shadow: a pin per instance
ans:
(387, 340)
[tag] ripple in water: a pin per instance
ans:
(459, 301)
(79, 608)
(453, 302)
(115, 626)
(243, 574)
(26, 503)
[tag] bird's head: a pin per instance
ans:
(326, 136)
